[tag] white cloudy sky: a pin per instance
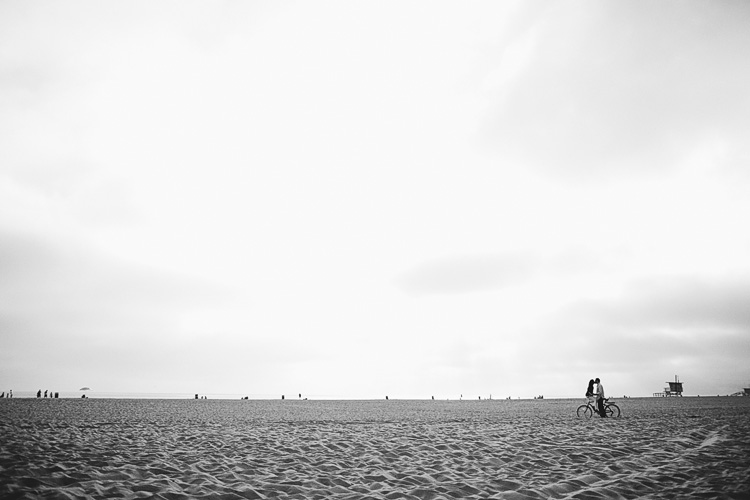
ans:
(359, 199)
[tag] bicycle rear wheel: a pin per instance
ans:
(612, 410)
(584, 411)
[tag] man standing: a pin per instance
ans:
(600, 397)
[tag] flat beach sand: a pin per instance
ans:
(110, 448)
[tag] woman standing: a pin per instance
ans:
(590, 393)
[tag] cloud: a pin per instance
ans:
(66, 292)
(598, 89)
(678, 303)
(68, 311)
(696, 327)
(23, 80)
(463, 274)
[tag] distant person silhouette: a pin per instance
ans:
(39, 393)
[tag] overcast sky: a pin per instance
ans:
(360, 199)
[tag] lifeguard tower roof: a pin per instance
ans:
(675, 387)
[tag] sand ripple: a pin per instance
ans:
(393, 450)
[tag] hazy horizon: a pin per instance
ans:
(375, 198)
(619, 398)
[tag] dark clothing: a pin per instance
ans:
(600, 405)
(590, 389)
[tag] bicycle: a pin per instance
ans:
(588, 410)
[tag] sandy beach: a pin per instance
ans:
(108, 448)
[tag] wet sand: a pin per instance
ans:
(659, 448)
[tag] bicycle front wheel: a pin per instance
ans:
(612, 410)
(584, 411)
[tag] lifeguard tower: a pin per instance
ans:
(674, 389)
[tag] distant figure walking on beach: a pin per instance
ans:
(600, 397)
(39, 393)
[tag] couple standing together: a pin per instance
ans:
(598, 394)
